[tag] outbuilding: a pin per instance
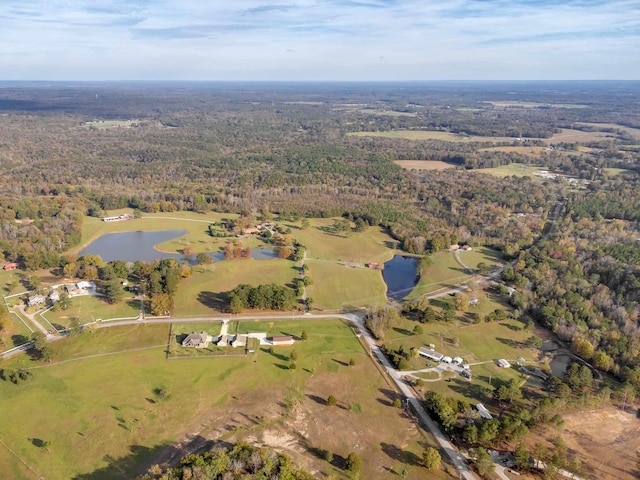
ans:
(430, 354)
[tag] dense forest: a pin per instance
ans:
(69, 150)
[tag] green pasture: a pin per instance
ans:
(612, 172)
(481, 342)
(478, 255)
(195, 224)
(122, 409)
(478, 344)
(443, 273)
(88, 308)
(372, 245)
(517, 169)
(203, 292)
(338, 286)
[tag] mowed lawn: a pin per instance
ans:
(338, 286)
(478, 344)
(107, 416)
(203, 293)
(372, 245)
(88, 308)
(444, 272)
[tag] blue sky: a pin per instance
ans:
(319, 39)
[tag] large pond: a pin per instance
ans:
(401, 275)
(132, 246)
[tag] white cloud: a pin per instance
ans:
(330, 39)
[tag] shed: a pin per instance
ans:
(503, 363)
(447, 359)
(282, 340)
(430, 354)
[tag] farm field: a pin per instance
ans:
(123, 409)
(372, 245)
(517, 169)
(604, 440)
(203, 292)
(566, 135)
(517, 104)
(424, 164)
(446, 272)
(338, 286)
(634, 132)
(569, 135)
(529, 151)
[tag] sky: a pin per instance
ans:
(319, 40)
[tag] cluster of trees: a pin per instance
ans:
(240, 460)
(263, 297)
(588, 298)
(377, 320)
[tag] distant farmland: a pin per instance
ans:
(424, 164)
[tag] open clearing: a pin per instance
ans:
(515, 104)
(605, 441)
(124, 409)
(517, 169)
(634, 132)
(445, 272)
(338, 286)
(204, 291)
(424, 164)
(431, 135)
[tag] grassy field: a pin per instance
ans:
(512, 104)
(424, 164)
(522, 150)
(338, 286)
(123, 407)
(195, 225)
(202, 292)
(88, 308)
(478, 344)
(517, 169)
(388, 113)
(445, 272)
(634, 132)
(372, 245)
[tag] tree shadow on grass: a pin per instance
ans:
(124, 467)
(400, 455)
(18, 340)
(216, 301)
(317, 399)
(403, 331)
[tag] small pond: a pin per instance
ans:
(559, 364)
(132, 246)
(401, 275)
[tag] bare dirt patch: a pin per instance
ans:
(605, 441)
(424, 164)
